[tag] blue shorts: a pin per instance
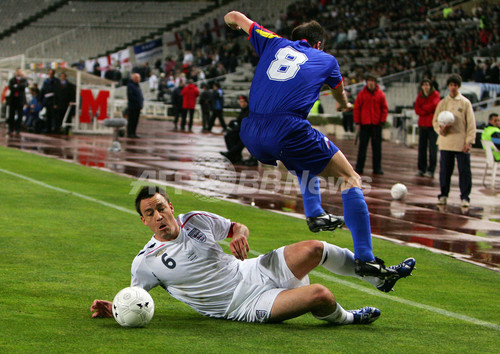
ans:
(289, 138)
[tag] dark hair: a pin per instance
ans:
(243, 97)
(371, 77)
(312, 32)
(429, 81)
(424, 81)
(492, 115)
(454, 78)
(148, 192)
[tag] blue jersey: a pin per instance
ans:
(289, 75)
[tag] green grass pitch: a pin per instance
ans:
(68, 235)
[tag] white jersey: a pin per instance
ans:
(193, 268)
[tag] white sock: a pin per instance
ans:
(339, 316)
(341, 261)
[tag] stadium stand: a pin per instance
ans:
(17, 13)
(398, 43)
(81, 29)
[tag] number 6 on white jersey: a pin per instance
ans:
(286, 65)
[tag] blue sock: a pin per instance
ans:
(357, 219)
(309, 187)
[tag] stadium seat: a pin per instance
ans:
(489, 147)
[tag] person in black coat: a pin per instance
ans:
(206, 106)
(177, 102)
(17, 100)
(135, 104)
(232, 137)
(49, 89)
(65, 94)
(217, 107)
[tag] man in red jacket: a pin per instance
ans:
(189, 94)
(370, 114)
(425, 105)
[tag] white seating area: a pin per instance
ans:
(15, 11)
(401, 94)
(79, 29)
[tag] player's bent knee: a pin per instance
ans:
(321, 295)
(317, 248)
(314, 248)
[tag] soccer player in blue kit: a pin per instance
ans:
(287, 82)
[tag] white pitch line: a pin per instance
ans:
(48, 186)
(327, 277)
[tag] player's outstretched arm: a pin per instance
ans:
(102, 308)
(339, 95)
(236, 20)
(239, 244)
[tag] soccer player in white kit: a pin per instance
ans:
(184, 258)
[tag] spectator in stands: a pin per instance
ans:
(146, 70)
(114, 73)
(370, 114)
(439, 39)
(49, 88)
(80, 65)
(143, 70)
(348, 116)
(169, 66)
(455, 141)
(32, 112)
(200, 75)
(425, 105)
(232, 137)
(177, 102)
(189, 93)
(188, 59)
(317, 108)
(479, 72)
(162, 88)
(494, 73)
(206, 37)
(96, 69)
(171, 82)
(221, 70)
(178, 79)
(467, 69)
(492, 133)
(134, 105)
(109, 73)
(429, 76)
(158, 65)
(17, 101)
(153, 82)
(65, 95)
(217, 107)
(206, 106)
(491, 73)
(447, 11)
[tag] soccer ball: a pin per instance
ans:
(399, 191)
(133, 307)
(446, 118)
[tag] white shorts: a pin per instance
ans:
(263, 278)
